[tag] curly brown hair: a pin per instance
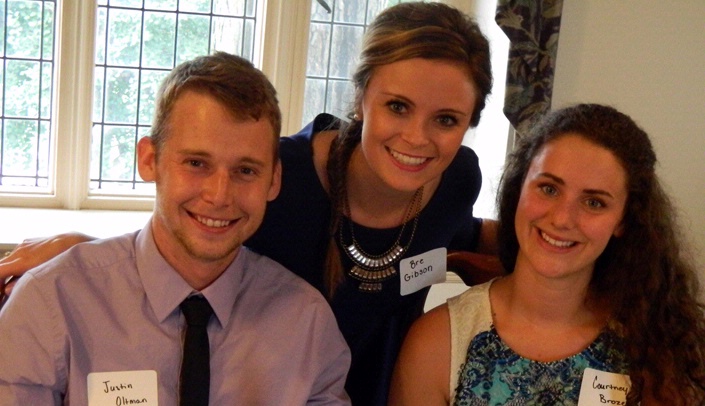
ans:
(405, 31)
(646, 275)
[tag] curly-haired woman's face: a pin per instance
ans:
(572, 202)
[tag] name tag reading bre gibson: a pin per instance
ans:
(422, 270)
(122, 388)
(603, 388)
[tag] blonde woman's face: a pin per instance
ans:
(415, 114)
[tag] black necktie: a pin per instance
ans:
(195, 367)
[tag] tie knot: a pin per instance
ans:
(196, 310)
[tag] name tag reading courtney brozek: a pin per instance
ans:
(603, 388)
(422, 270)
(122, 388)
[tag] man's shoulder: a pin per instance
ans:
(86, 272)
(266, 273)
(100, 253)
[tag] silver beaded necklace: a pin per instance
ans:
(372, 270)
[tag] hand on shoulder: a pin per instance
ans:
(33, 252)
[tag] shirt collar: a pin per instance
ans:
(166, 289)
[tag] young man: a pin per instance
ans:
(102, 323)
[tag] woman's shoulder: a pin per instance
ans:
(465, 159)
(470, 313)
(463, 174)
(322, 123)
(474, 301)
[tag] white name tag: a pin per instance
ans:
(122, 388)
(422, 270)
(603, 388)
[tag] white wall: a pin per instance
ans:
(647, 59)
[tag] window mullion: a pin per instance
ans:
(74, 101)
(283, 57)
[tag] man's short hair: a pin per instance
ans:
(232, 80)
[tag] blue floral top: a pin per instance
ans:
(493, 374)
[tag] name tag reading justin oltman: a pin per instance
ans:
(122, 388)
(422, 270)
(603, 388)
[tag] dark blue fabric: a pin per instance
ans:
(295, 233)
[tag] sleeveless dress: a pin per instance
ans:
(486, 372)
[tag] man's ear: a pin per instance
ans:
(276, 181)
(146, 159)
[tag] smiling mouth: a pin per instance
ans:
(407, 159)
(212, 222)
(556, 243)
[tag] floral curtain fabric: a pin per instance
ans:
(532, 27)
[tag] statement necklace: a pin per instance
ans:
(372, 270)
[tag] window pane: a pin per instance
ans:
(202, 6)
(121, 95)
(26, 93)
(126, 3)
(339, 96)
(118, 152)
(248, 43)
(22, 82)
(21, 147)
(345, 47)
(23, 18)
(318, 50)
(43, 149)
(124, 32)
(350, 11)
(136, 48)
(98, 77)
(46, 86)
(229, 8)
(149, 85)
(192, 37)
(159, 37)
(160, 4)
(101, 18)
(315, 96)
(227, 34)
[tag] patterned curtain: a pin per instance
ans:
(532, 27)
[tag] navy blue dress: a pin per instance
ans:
(295, 233)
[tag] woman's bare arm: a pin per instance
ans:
(421, 376)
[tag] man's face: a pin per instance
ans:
(214, 176)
